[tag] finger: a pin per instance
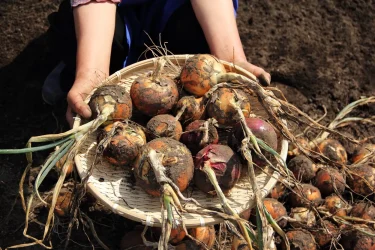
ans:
(78, 105)
(263, 76)
(265, 79)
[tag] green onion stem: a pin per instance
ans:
(50, 163)
(34, 149)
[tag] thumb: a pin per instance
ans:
(78, 105)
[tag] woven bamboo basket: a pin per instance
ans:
(115, 188)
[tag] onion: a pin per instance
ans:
(362, 152)
(198, 74)
(225, 164)
(205, 235)
(333, 150)
(176, 236)
(305, 194)
(279, 191)
(363, 210)
(60, 164)
(329, 180)
(355, 239)
(190, 108)
(293, 150)
(177, 161)
(111, 95)
(300, 239)
(302, 167)
(362, 180)
(276, 209)
(221, 106)
(63, 203)
(302, 216)
(336, 205)
(164, 126)
(154, 95)
(262, 130)
(124, 143)
(199, 134)
(324, 235)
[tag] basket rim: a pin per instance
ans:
(118, 75)
(149, 220)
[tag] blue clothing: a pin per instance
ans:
(150, 17)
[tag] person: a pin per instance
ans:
(109, 35)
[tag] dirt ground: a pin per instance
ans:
(319, 53)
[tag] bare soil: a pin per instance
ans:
(319, 53)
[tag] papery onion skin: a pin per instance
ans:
(154, 97)
(224, 162)
(198, 75)
(177, 160)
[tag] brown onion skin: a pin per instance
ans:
(361, 152)
(176, 236)
(63, 203)
(221, 108)
(193, 138)
(262, 130)
(195, 108)
(363, 210)
(123, 104)
(198, 74)
(177, 160)
(278, 192)
(333, 150)
(205, 235)
(336, 206)
(124, 145)
(322, 237)
(164, 126)
(327, 179)
(154, 97)
(305, 195)
(303, 216)
(275, 208)
(354, 239)
(302, 168)
(300, 239)
(60, 164)
(225, 163)
(303, 142)
(120, 129)
(362, 179)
